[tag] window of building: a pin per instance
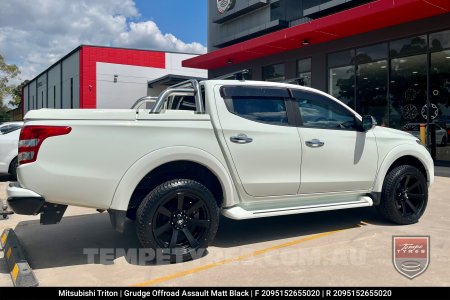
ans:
(390, 82)
(371, 90)
(371, 53)
(342, 58)
(276, 11)
(440, 96)
(371, 82)
(408, 46)
(273, 73)
(304, 71)
(342, 84)
(440, 40)
(318, 111)
(358, 77)
(341, 76)
(408, 87)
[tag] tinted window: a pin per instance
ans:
(304, 72)
(259, 109)
(318, 111)
(371, 53)
(440, 40)
(342, 84)
(273, 73)
(9, 128)
(341, 58)
(408, 46)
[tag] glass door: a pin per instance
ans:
(440, 93)
(440, 103)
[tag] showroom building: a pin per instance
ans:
(387, 58)
(105, 77)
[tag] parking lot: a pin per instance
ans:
(338, 248)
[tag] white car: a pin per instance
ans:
(9, 140)
(441, 133)
(246, 149)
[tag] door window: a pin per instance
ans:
(259, 103)
(260, 109)
(318, 111)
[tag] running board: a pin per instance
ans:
(239, 213)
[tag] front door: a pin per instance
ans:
(336, 157)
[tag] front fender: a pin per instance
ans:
(419, 152)
(152, 160)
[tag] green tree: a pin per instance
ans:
(17, 94)
(7, 73)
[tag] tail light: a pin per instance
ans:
(31, 138)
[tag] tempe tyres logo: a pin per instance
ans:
(224, 5)
(411, 254)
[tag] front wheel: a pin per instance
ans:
(404, 196)
(179, 218)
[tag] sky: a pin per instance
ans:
(35, 34)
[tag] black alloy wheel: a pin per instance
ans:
(179, 217)
(410, 196)
(404, 196)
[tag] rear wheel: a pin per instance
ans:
(179, 217)
(404, 195)
(444, 141)
(13, 168)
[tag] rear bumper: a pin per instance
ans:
(23, 201)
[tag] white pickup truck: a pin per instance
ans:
(245, 149)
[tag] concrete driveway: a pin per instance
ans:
(339, 248)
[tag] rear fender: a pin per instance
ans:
(152, 160)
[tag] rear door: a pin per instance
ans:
(261, 138)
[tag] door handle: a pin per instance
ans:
(241, 138)
(314, 143)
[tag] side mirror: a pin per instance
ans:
(368, 123)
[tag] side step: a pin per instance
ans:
(239, 213)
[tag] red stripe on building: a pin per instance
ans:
(89, 56)
(368, 17)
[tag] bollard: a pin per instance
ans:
(423, 133)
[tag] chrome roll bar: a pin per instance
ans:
(180, 89)
(143, 100)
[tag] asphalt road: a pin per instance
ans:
(339, 248)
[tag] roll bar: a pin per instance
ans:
(189, 87)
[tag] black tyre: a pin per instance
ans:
(13, 168)
(444, 141)
(179, 217)
(404, 196)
